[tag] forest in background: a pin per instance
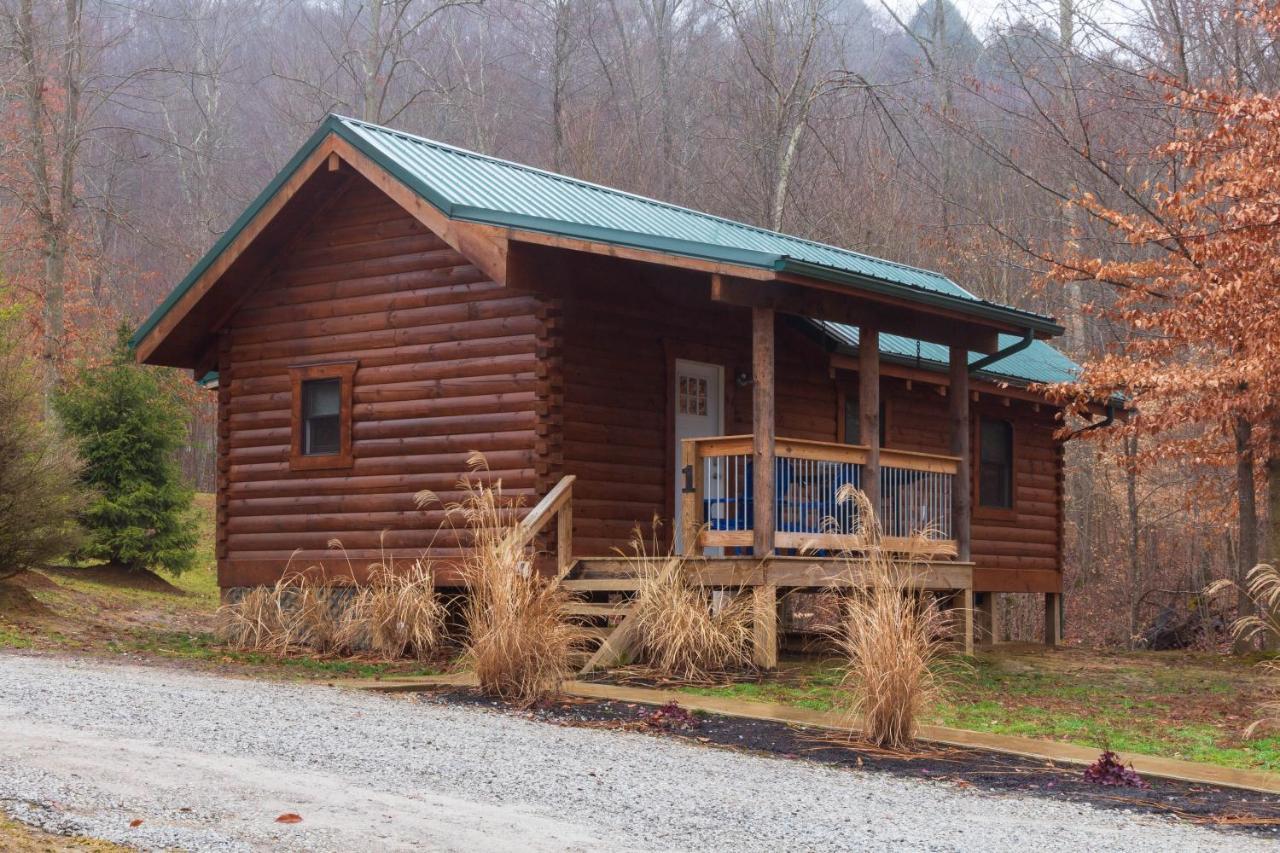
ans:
(998, 151)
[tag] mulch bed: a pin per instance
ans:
(1227, 808)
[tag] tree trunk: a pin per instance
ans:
(1271, 642)
(1247, 552)
(1135, 543)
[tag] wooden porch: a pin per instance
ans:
(762, 515)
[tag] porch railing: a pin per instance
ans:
(915, 494)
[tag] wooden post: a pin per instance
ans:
(765, 625)
(962, 487)
(1052, 618)
(762, 430)
(690, 502)
(987, 619)
(869, 412)
(966, 620)
(765, 610)
(564, 538)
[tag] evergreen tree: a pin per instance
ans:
(128, 422)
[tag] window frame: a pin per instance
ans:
(846, 396)
(995, 509)
(344, 372)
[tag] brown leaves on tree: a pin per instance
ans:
(1196, 276)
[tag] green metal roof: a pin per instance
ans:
(1038, 363)
(473, 187)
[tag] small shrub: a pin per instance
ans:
(890, 636)
(396, 614)
(39, 495)
(679, 632)
(518, 640)
(128, 422)
(1108, 770)
(671, 717)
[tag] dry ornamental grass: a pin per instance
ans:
(397, 614)
(891, 636)
(518, 640)
(683, 632)
(1262, 586)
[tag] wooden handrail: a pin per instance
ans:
(826, 451)
(558, 504)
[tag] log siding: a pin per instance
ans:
(619, 347)
(449, 362)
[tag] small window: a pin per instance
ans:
(995, 464)
(321, 408)
(321, 416)
(853, 419)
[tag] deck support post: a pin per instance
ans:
(764, 635)
(762, 430)
(961, 431)
(869, 413)
(987, 619)
(966, 620)
(1052, 618)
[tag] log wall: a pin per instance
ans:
(448, 363)
(619, 348)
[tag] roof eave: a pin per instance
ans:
(1042, 326)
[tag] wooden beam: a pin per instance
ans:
(615, 647)
(869, 411)
(855, 308)
(966, 620)
(961, 430)
(781, 572)
(763, 437)
(941, 380)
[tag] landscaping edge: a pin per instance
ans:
(1165, 768)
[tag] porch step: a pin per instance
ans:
(597, 608)
(600, 584)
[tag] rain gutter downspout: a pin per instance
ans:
(1102, 424)
(1028, 338)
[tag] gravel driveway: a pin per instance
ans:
(207, 763)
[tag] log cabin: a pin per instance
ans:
(389, 304)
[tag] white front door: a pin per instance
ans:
(699, 408)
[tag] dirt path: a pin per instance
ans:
(207, 763)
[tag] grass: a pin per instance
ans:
(206, 648)
(1192, 706)
(87, 611)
